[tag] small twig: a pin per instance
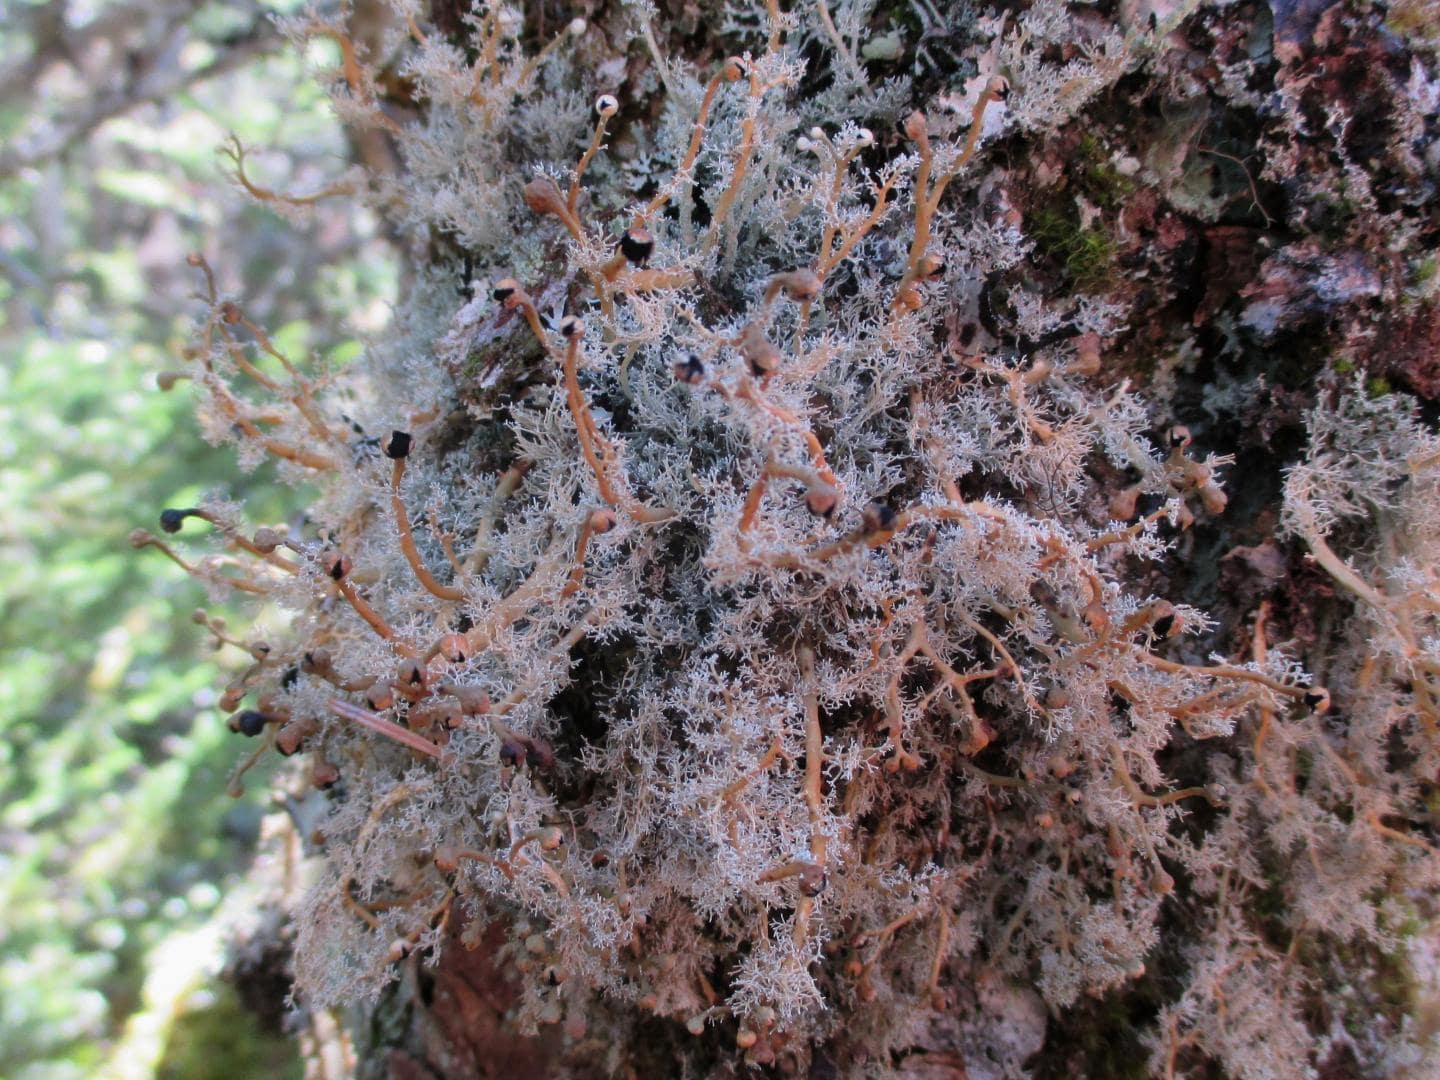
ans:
(381, 726)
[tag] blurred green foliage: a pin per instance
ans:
(115, 833)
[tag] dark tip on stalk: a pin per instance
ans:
(455, 648)
(338, 566)
(1164, 625)
(812, 880)
(637, 245)
(396, 445)
(411, 673)
(248, 723)
(1147, 502)
(822, 501)
(172, 519)
(291, 737)
(879, 516)
(691, 370)
(512, 752)
(505, 288)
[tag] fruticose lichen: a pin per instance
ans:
(718, 582)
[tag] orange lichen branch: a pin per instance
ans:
(1143, 798)
(573, 29)
(1015, 383)
(402, 525)
(509, 482)
(1225, 671)
(769, 758)
(900, 758)
(511, 296)
(558, 654)
(821, 495)
(222, 316)
(813, 873)
(352, 70)
(605, 108)
(659, 279)
(302, 398)
(140, 538)
(542, 579)
(485, 61)
(838, 43)
(927, 195)
(235, 413)
(730, 71)
(830, 256)
(1120, 536)
(814, 753)
(596, 523)
(542, 195)
(307, 386)
(172, 519)
(884, 933)
(937, 965)
(337, 568)
(740, 166)
(235, 783)
(235, 151)
(829, 260)
(994, 779)
(479, 856)
(751, 393)
(591, 444)
(598, 453)
(1012, 668)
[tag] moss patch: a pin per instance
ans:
(1086, 254)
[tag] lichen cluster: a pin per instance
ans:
(719, 593)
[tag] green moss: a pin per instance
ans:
(1103, 1034)
(1414, 20)
(1377, 386)
(1088, 255)
(224, 1033)
(1342, 365)
(1432, 800)
(1098, 178)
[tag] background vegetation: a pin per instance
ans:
(120, 858)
